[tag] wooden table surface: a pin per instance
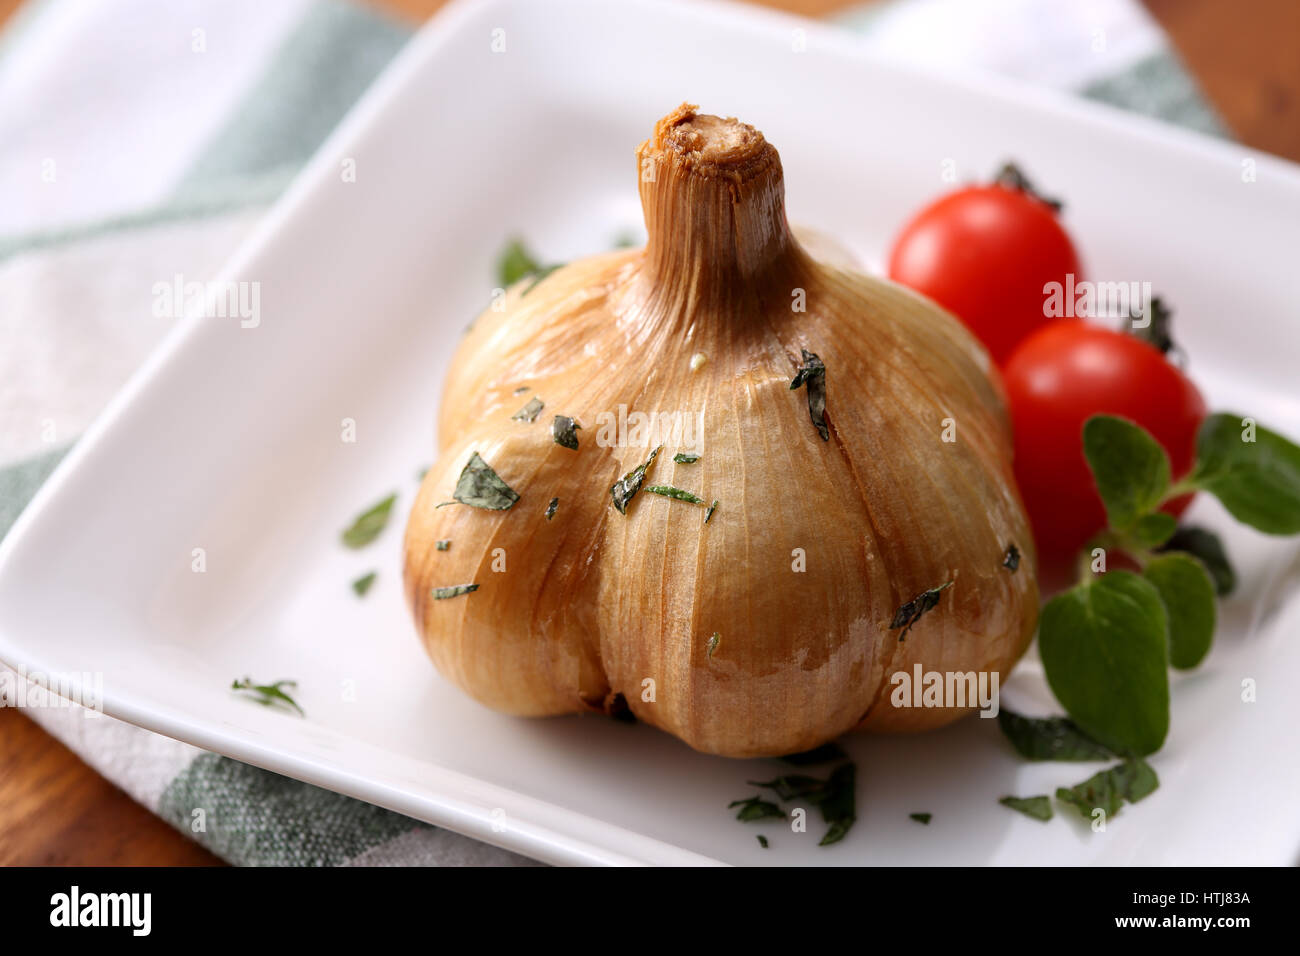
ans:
(56, 810)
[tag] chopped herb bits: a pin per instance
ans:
(564, 431)
(625, 489)
(550, 509)
(668, 491)
(813, 374)
(443, 545)
(530, 411)
(362, 584)
(480, 487)
(911, 612)
(686, 458)
(1011, 560)
(369, 524)
(442, 594)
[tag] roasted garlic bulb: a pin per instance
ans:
(717, 483)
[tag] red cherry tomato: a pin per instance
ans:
(1056, 380)
(985, 253)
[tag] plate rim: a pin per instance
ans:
(565, 845)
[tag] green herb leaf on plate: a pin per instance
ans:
(564, 431)
(1205, 545)
(792, 786)
(923, 818)
(1104, 647)
(268, 695)
(515, 263)
(456, 590)
(1040, 808)
(480, 487)
(530, 411)
(625, 489)
(369, 524)
(1188, 593)
(362, 584)
(1049, 738)
(686, 458)
(762, 841)
(813, 374)
(1257, 481)
(1129, 466)
(838, 803)
(756, 808)
(1109, 790)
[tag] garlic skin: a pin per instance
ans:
(594, 605)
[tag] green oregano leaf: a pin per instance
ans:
(908, 614)
(480, 487)
(625, 489)
(362, 584)
(1040, 808)
(712, 645)
(792, 786)
(712, 508)
(1105, 652)
(756, 808)
(1153, 530)
(686, 458)
(268, 695)
(530, 411)
(762, 841)
(443, 545)
(813, 374)
(838, 804)
(1129, 466)
(1049, 738)
(456, 590)
(668, 491)
(1205, 545)
(1109, 790)
(515, 262)
(1254, 472)
(564, 431)
(369, 524)
(923, 818)
(1188, 593)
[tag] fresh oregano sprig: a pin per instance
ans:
(1107, 643)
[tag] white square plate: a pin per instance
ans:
(229, 440)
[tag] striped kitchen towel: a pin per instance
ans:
(145, 138)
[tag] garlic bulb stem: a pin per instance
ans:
(713, 197)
